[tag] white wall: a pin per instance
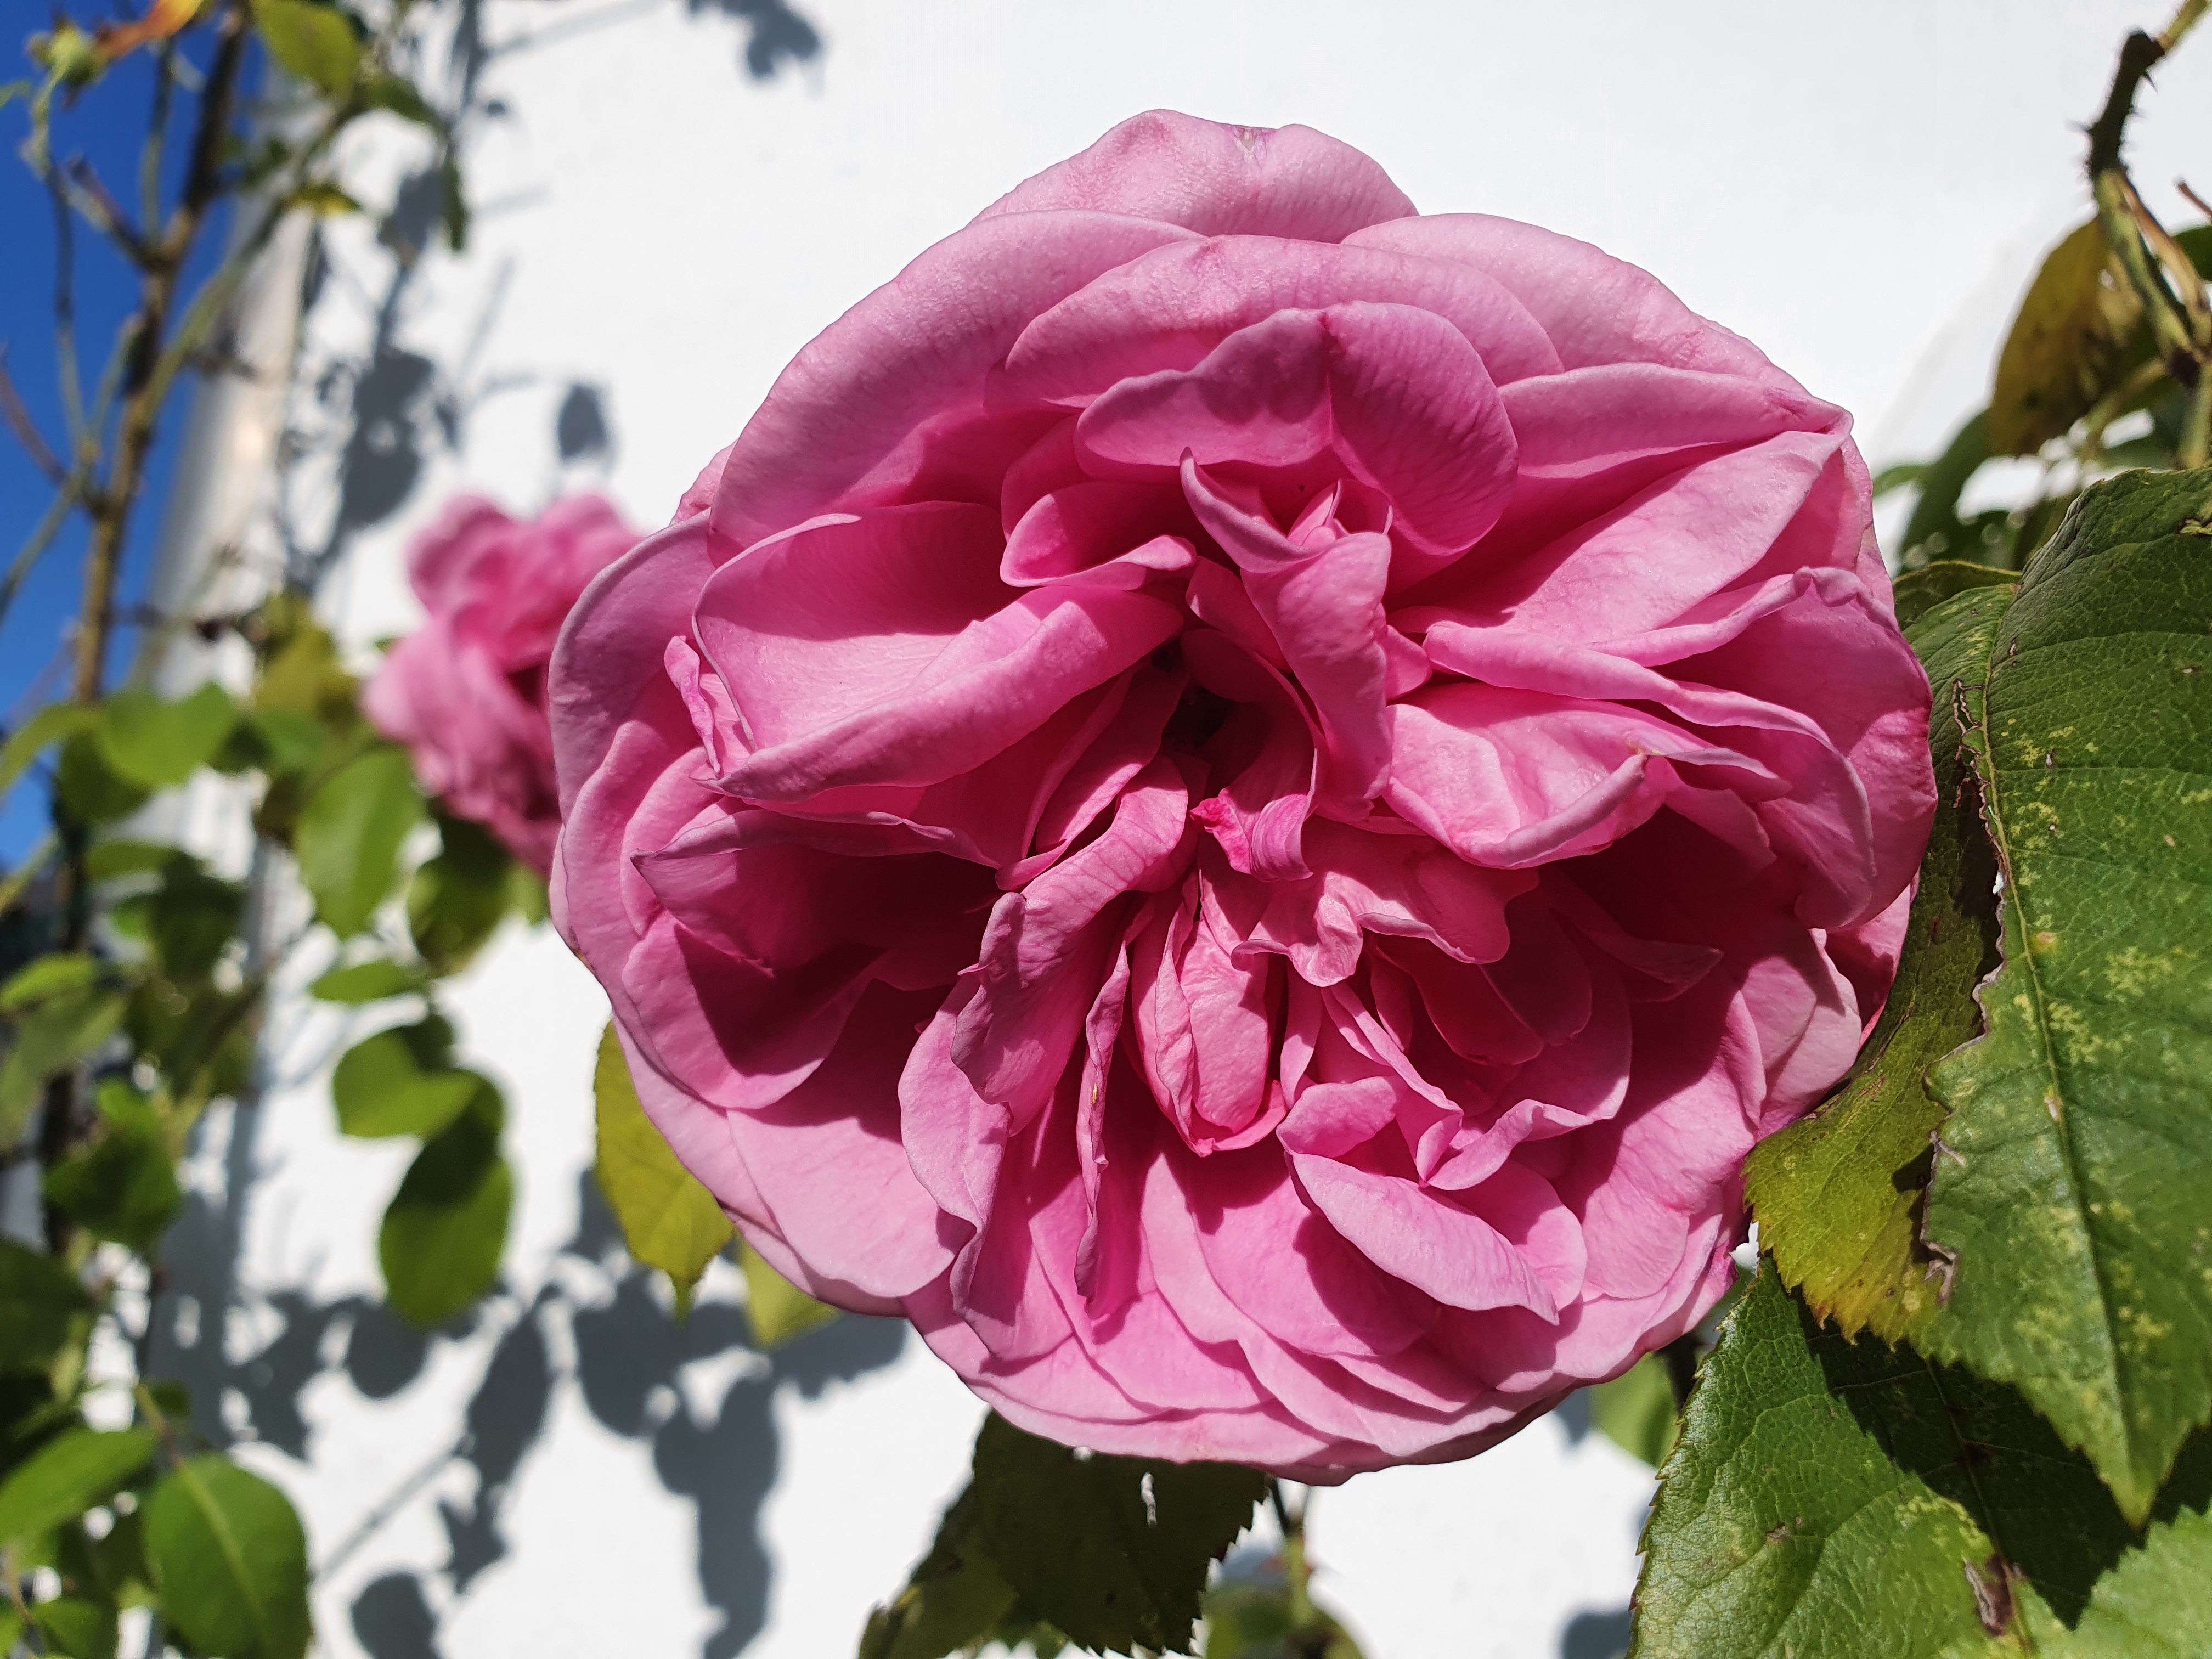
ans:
(1860, 189)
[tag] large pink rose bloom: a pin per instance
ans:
(1240, 803)
(466, 692)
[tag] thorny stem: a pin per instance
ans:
(2171, 291)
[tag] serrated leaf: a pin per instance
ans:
(954, 1598)
(1838, 1195)
(1918, 592)
(366, 981)
(76, 1628)
(160, 744)
(50, 726)
(2075, 1197)
(2067, 344)
(230, 1559)
(444, 1231)
(348, 836)
(669, 1221)
(1840, 1499)
(1114, 1551)
(67, 1476)
(2155, 1604)
(314, 42)
(779, 1311)
(399, 1083)
(1635, 1410)
(40, 1300)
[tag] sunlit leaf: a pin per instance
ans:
(669, 1221)
(399, 1082)
(67, 1476)
(778, 1309)
(231, 1561)
(316, 43)
(2067, 344)
(160, 744)
(445, 1230)
(1635, 1410)
(2071, 1192)
(348, 836)
(365, 981)
(50, 726)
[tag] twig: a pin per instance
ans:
(25, 429)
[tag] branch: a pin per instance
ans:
(25, 429)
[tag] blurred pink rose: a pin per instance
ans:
(465, 691)
(1242, 803)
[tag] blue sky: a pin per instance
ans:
(107, 128)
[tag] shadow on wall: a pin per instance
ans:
(720, 1455)
(778, 34)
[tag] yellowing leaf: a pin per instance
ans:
(2068, 345)
(779, 1310)
(668, 1219)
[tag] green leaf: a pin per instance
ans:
(955, 1598)
(454, 205)
(112, 861)
(399, 1083)
(777, 1308)
(1918, 592)
(231, 1561)
(526, 893)
(58, 973)
(67, 1476)
(315, 43)
(191, 918)
(160, 744)
(2068, 344)
(390, 92)
(458, 898)
(669, 1221)
(322, 198)
(1114, 1551)
(121, 1188)
(77, 1628)
(290, 739)
(1839, 1193)
(1635, 1410)
(1832, 1500)
(50, 726)
(366, 981)
(2074, 1196)
(445, 1230)
(1256, 1620)
(348, 836)
(91, 788)
(57, 1032)
(41, 1301)
(2155, 1604)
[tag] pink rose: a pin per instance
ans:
(1240, 803)
(465, 691)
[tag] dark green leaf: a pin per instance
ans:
(160, 744)
(669, 1221)
(445, 1232)
(121, 1188)
(315, 43)
(55, 1034)
(1936, 530)
(1918, 592)
(56, 722)
(1831, 1499)
(455, 205)
(1635, 1410)
(112, 861)
(191, 918)
(231, 1561)
(2068, 345)
(77, 1628)
(389, 91)
(457, 899)
(399, 1083)
(1114, 1551)
(2073, 1193)
(348, 836)
(954, 1598)
(289, 739)
(366, 981)
(1249, 1620)
(1839, 1193)
(92, 790)
(41, 1301)
(66, 1476)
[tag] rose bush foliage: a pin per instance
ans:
(1242, 802)
(466, 692)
